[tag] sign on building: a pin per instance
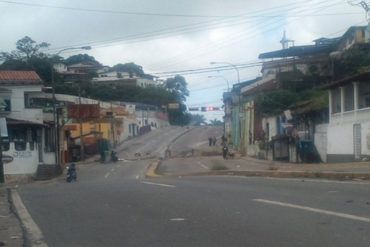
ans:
(83, 111)
(174, 106)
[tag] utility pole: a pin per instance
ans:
(363, 4)
(2, 176)
(56, 124)
(82, 148)
(112, 125)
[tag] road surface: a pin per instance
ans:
(115, 205)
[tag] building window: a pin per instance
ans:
(6, 145)
(336, 101)
(5, 103)
(349, 102)
(364, 95)
(18, 136)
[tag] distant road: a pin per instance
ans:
(195, 138)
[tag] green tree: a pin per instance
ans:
(178, 85)
(28, 56)
(197, 120)
(215, 122)
(130, 68)
(26, 48)
(82, 58)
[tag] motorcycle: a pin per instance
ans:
(71, 173)
(113, 156)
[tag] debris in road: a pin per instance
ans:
(177, 219)
(349, 201)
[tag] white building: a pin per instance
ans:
(30, 140)
(117, 78)
(349, 119)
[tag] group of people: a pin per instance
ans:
(212, 141)
(225, 150)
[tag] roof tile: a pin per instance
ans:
(19, 76)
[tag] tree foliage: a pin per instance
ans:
(82, 58)
(178, 85)
(26, 49)
(28, 56)
(215, 122)
(197, 120)
(352, 61)
(276, 101)
(130, 68)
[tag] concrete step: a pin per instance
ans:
(45, 172)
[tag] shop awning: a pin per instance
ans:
(11, 121)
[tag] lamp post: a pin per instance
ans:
(220, 76)
(56, 123)
(232, 65)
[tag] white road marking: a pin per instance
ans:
(112, 170)
(164, 185)
(310, 180)
(316, 210)
(137, 177)
(107, 175)
(177, 219)
(202, 165)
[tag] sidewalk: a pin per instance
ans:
(11, 234)
(248, 166)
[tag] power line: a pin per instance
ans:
(114, 11)
(173, 30)
(208, 68)
(177, 29)
(240, 35)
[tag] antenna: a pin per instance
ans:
(363, 4)
(285, 42)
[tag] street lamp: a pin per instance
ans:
(220, 76)
(56, 124)
(232, 65)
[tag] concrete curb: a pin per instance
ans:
(33, 235)
(342, 176)
(151, 171)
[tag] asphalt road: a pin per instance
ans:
(152, 144)
(195, 138)
(114, 205)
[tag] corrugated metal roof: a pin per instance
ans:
(13, 76)
(293, 51)
(346, 80)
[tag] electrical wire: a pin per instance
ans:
(239, 37)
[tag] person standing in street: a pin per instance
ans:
(214, 140)
(225, 151)
(210, 141)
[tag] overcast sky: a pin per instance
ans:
(176, 35)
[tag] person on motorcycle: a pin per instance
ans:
(113, 156)
(71, 173)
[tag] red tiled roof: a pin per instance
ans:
(13, 76)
